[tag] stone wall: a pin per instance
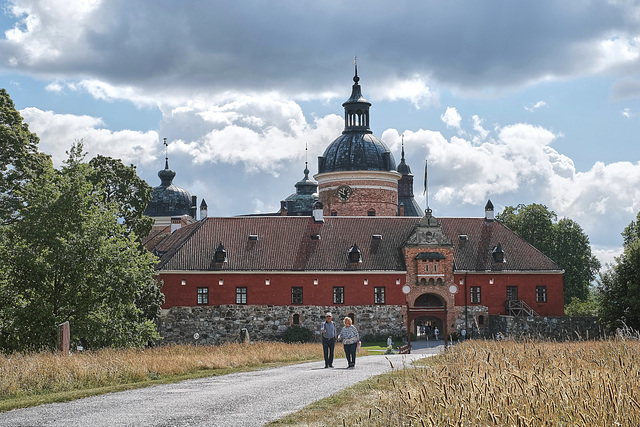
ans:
(220, 324)
(559, 328)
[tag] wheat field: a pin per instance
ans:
(508, 383)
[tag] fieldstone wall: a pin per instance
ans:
(225, 323)
(564, 328)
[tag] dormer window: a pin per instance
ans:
(498, 254)
(220, 254)
(354, 254)
(253, 237)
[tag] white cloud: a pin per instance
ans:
(414, 89)
(451, 118)
(536, 106)
(57, 133)
(627, 113)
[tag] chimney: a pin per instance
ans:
(203, 209)
(401, 209)
(317, 212)
(488, 211)
(176, 223)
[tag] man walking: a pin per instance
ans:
(328, 329)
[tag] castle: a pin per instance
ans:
(353, 242)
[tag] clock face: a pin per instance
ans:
(344, 192)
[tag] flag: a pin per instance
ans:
(425, 177)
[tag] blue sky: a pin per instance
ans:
(517, 102)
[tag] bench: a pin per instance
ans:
(404, 349)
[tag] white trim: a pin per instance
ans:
(391, 176)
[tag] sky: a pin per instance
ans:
(516, 102)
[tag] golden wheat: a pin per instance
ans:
(515, 384)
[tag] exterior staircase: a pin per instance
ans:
(519, 308)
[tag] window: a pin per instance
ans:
(296, 319)
(241, 295)
(475, 295)
(541, 294)
(203, 296)
(435, 268)
(338, 295)
(426, 268)
(371, 212)
(379, 295)
(296, 295)
(512, 293)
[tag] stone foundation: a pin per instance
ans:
(558, 328)
(220, 324)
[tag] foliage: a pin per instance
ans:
(122, 185)
(563, 241)
(619, 289)
(297, 334)
(582, 308)
(69, 258)
(20, 161)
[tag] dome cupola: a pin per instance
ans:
(168, 200)
(357, 148)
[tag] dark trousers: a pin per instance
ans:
(350, 352)
(328, 345)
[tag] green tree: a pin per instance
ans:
(20, 160)
(534, 223)
(619, 284)
(572, 251)
(122, 185)
(69, 258)
(563, 241)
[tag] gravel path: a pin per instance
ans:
(242, 399)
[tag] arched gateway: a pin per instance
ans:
(429, 260)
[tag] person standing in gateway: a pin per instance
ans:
(328, 329)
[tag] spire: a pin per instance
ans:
(356, 79)
(166, 175)
(356, 108)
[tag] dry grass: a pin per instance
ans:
(515, 384)
(43, 373)
(487, 383)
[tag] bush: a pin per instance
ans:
(297, 334)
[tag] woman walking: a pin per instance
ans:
(350, 338)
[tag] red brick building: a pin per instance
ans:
(357, 245)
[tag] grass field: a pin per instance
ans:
(506, 383)
(32, 379)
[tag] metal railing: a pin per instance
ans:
(519, 308)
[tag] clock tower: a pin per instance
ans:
(357, 173)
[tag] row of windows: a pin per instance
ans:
(512, 294)
(297, 296)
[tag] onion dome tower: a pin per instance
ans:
(356, 174)
(407, 205)
(168, 200)
(301, 202)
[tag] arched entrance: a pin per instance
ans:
(428, 312)
(424, 327)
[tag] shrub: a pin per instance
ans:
(297, 334)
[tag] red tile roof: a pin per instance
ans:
(286, 244)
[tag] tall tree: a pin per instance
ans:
(69, 258)
(619, 284)
(20, 160)
(534, 223)
(122, 185)
(563, 241)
